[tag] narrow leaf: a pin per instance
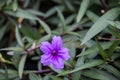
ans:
(113, 47)
(34, 77)
(84, 66)
(44, 38)
(18, 37)
(97, 75)
(88, 65)
(92, 16)
(112, 70)
(21, 65)
(80, 62)
(45, 26)
(101, 23)
(54, 77)
(62, 19)
(101, 50)
(15, 5)
(22, 13)
(2, 31)
(82, 9)
(12, 48)
(95, 49)
(115, 23)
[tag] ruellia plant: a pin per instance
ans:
(60, 39)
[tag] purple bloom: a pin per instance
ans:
(54, 53)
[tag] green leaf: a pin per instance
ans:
(67, 64)
(102, 52)
(8, 1)
(39, 65)
(114, 32)
(11, 74)
(73, 27)
(112, 70)
(72, 49)
(92, 16)
(54, 77)
(27, 31)
(18, 37)
(21, 65)
(53, 11)
(2, 3)
(82, 9)
(101, 23)
(115, 23)
(45, 26)
(69, 5)
(6, 73)
(2, 31)
(15, 5)
(80, 62)
(94, 50)
(33, 76)
(75, 34)
(64, 73)
(44, 38)
(84, 66)
(107, 74)
(94, 74)
(46, 77)
(12, 48)
(88, 65)
(36, 4)
(65, 78)
(62, 19)
(35, 12)
(113, 47)
(25, 14)
(77, 25)
(69, 19)
(30, 32)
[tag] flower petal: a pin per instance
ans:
(58, 63)
(57, 42)
(46, 59)
(46, 47)
(64, 53)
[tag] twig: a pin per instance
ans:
(31, 49)
(40, 71)
(108, 39)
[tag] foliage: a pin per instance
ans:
(89, 28)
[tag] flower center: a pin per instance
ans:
(54, 52)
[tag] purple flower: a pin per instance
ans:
(54, 53)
